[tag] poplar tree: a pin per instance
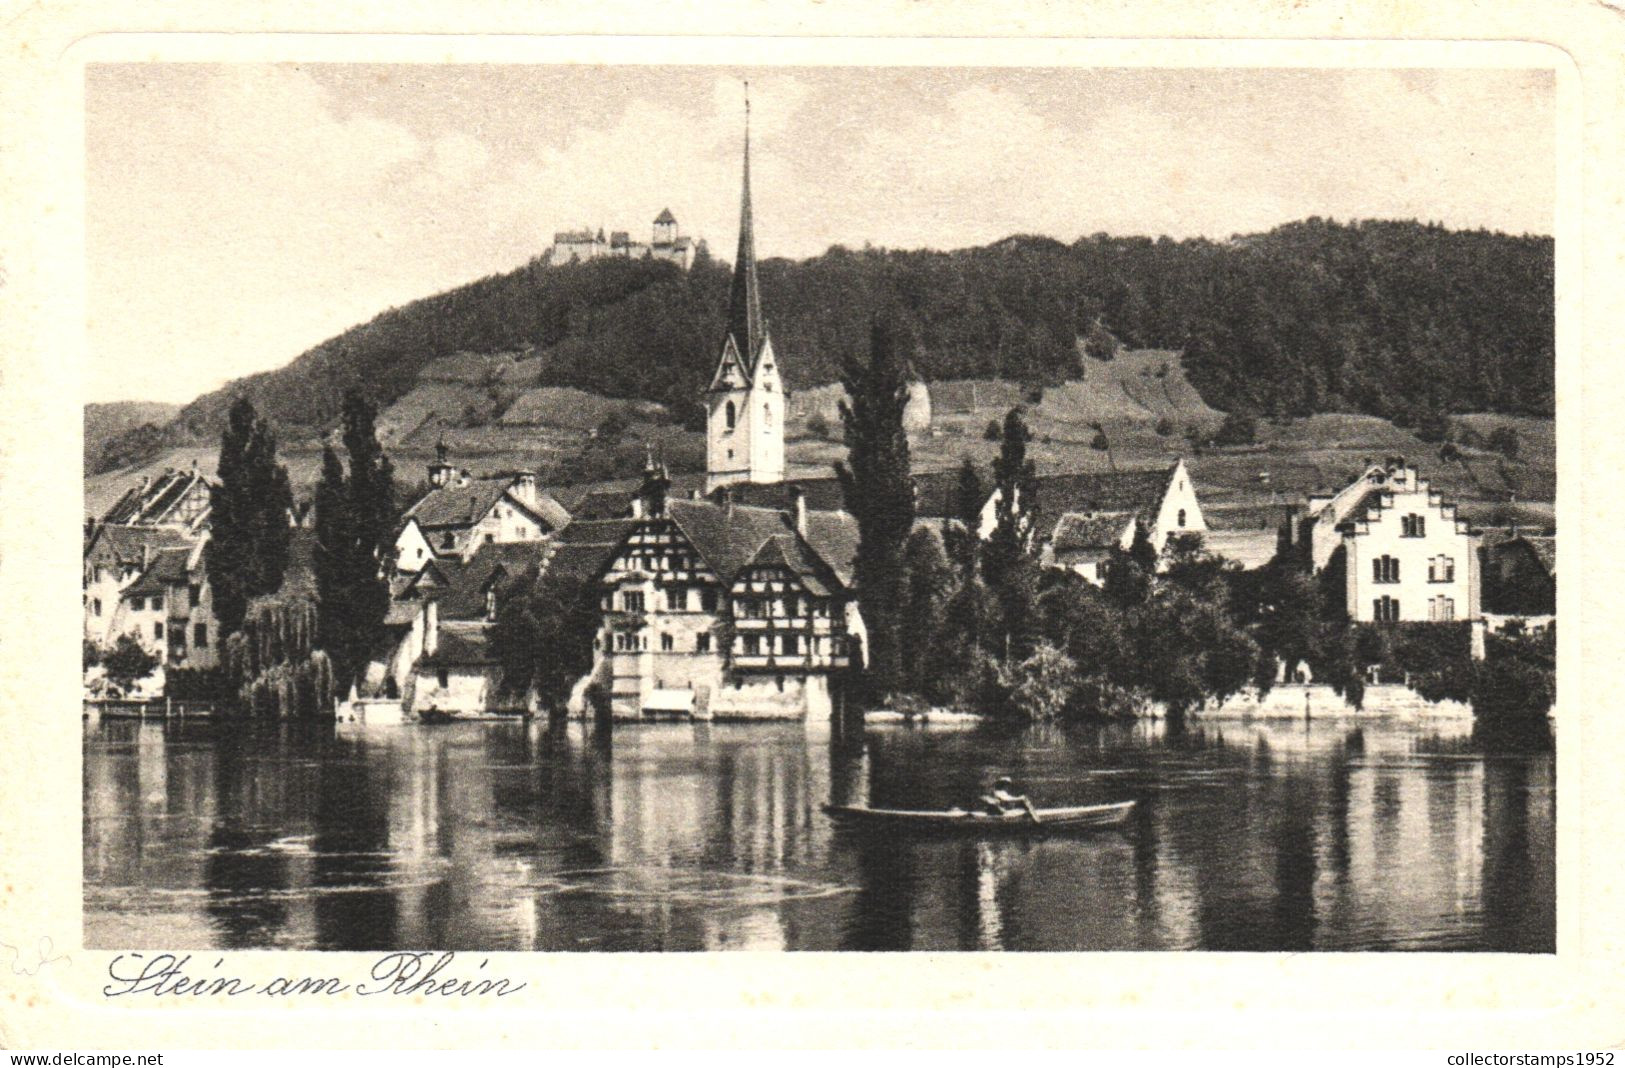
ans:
(248, 517)
(355, 518)
(1010, 571)
(879, 491)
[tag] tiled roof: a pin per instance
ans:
(1125, 492)
(787, 552)
(1097, 533)
(1248, 516)
(455, 505)
(824, 494)
(834, 536)
(583, 549)
(465, 598)
(727, 536)
(167, 569)
(461, 645)
(126, 544)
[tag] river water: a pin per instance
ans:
(1330, 835)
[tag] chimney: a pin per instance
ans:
(524, 487)
(798, 508)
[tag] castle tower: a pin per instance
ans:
(745, 401)
(665, 228)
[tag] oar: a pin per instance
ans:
(1031, 811)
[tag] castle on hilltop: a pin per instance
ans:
(665, 243)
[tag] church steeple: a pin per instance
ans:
(745, 325)
(745, 402)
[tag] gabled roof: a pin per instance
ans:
(1137, 493)
(152, 503)
(168, 568)
(665, 217)
(727, 536)
(466, 504)
(582, 550)
(730, 536)
(786, 552)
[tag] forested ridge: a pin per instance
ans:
(1397, 319)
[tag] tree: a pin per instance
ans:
(961, 534)
(128, 661)
(1504, 440)
(991, 432)
(1164, 427)
(1238, 428)
(543, 635)
(249, 530)
(927, 590)
(1040, 686)
(879, 489)
(1099, 343)
(1007, 561)
(355, 518)
(1432, 425)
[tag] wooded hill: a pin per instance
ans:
(1395, 319)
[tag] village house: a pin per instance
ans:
(169, 608)
(666, 243)
(718, 610)
(461, 513)
(1406, 555)
(114, 558)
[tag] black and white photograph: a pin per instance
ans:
(676, 507)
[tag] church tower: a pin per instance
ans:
(745, 401)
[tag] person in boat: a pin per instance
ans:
(1003, 798)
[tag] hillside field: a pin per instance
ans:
(1127, 397)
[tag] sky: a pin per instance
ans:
(238, 214)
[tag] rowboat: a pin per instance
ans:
(1075, 818)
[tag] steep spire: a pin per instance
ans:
(744, 300)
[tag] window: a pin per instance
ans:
(138, 604)
(200, 635)
(491, 603)
(730, 414)
(767, 415)
(632, 601)
(1441, 569)
(792, 644)
(1385, 610)
(1442, 609)
(1181, 517)
(448, 541)
(443, 677)
(753, 645)
(780, 681)
(1385, 569)
(158, 603)
(1412, 526)
(708, 600)
(157, 630)
(97, 605)
(194, 595)
(702, 642)
(666, 643)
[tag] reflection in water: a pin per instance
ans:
(689, 837)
